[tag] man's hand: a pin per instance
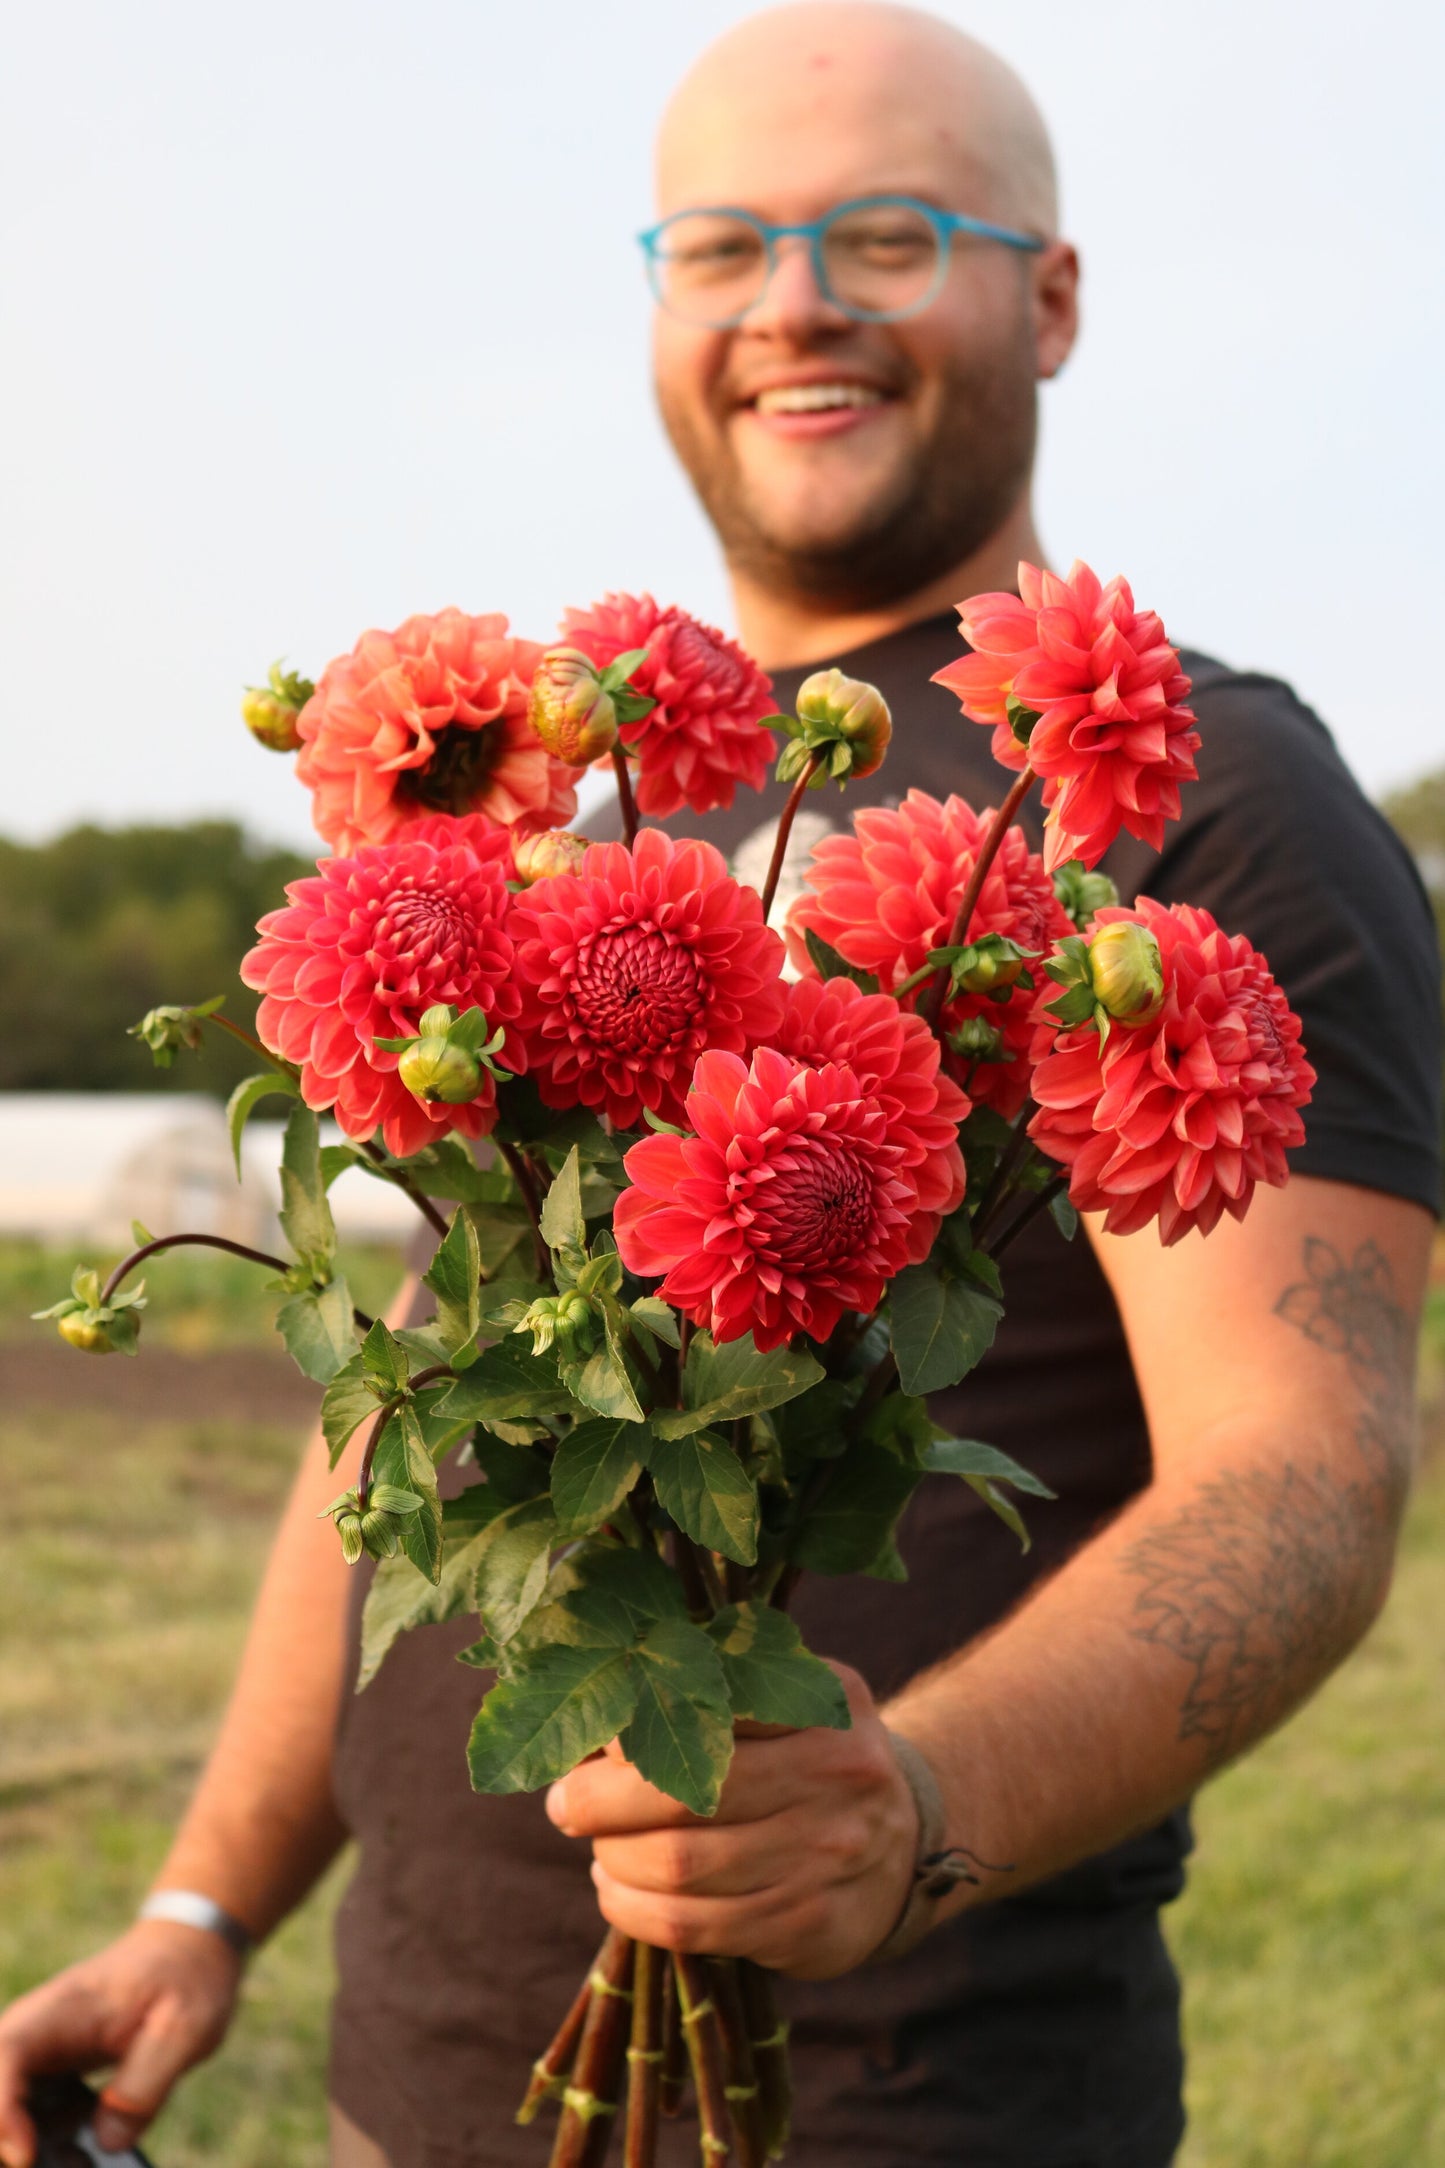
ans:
(155, 2003)
(805, 1867)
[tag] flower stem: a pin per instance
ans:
(1015, 1152)
(932, 1003)
(743, 2098)
(171, 1242)
(705, 2052)
(769, 2037)
(590, 2099)
(785, 828)
(423, 1204)
(645, 2057)
(1039, 1202)
(248, 1038)
(551, 2069)
(521, 1174)
(674, 2047)
(624, 796)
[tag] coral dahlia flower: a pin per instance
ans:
(1113, 740)
(362, 948)
(633, 965)
(895, 1058)
(788, 1205)
(431, 718)
(886, 894)
(1177, 1119)
(703, 737)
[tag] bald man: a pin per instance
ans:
(1228, 1492)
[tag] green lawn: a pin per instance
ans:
(1311, 1937)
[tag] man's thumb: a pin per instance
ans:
(162, 2050)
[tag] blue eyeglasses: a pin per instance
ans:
(875, 258)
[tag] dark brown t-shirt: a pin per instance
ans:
(1041, 2032)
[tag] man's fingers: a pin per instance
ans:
(755, 1926)
(703, 1861)
(161, 2051)
(17, 2132)
(607, 1797)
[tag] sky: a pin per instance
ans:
(313, 315)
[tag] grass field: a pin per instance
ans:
(1312, 1936)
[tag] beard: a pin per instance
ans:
(949, 493)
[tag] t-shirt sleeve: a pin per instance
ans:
(1279, 843)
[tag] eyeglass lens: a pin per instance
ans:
(878, 260)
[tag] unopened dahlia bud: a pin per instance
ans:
(540, 857)
(269, 711)
(85, 1331)
(566, 1322)
(1081, 894)
(976, 1039)
(436, 1068)
(571, 710)
(846, 712)
(995, 964)
(1127, 974)
(353, 1540)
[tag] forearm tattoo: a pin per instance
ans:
(1265, 1579)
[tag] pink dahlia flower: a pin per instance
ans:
(886, 894)
(788, 1205)
(703, 737)
(631, 966)
(895, 1058)
(363, 947)
(1113, 740)
(431, 718)
(1177, 1119)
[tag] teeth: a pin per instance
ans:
(816, 398)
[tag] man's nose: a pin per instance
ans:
(793, 305)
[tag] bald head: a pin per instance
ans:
(835, 97)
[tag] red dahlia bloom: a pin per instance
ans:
(1177, 1119)
(431, 718)
(703, 737)
(363, 947)
(789, 1205)
(895, 1058)
(631, 966)
(1113, 740)
(886, 894)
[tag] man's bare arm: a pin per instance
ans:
(1275, 1361)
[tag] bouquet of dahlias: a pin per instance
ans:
(717, 1206)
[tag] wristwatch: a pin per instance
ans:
(188, 1908)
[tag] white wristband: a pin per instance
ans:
(188, 1908)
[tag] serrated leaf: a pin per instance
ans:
(347, 1403)
(500, 1228)
(722, 1383)
(681, 1736)
(942, 1325)
(659, 1317)
(850, 1527)
(564, 1225)
(335, 1159)
(512, 1473)
(828, 964)
(603, 1383)
(245, 1099)
(404, 1459)
(560, 1705)
(319, 1330)
(508, 1383)
(400, 1599)
(704, 1486)
(447, 1170)
(454, 1277)
(770, 1676)
(305, 1214)
(595, 1467)
(512, 1559)
(970, 1457)
(636, 1584)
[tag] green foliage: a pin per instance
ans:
(704, 1486)
(770, 1676)
(318, 1329)
(943, 1321)
(558, 1705)
(454, 1277)
(681, 1735)
(102, 925)
(983, 1468)
(595, 1467)
(722, 1383)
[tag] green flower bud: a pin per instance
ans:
(269, 711)
(353, 1541)
(1126, 972)
(86, 1329)
(849, 712)
(976, 1039)
(571, 710)
(995, 966)
(378, 1534)
(567, 1322)
(1081, 894)
(436, 1068)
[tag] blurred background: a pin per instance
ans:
(320, 314)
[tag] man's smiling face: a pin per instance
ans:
(854, 462)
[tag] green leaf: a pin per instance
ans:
(560, 1705)
(399, 1599)
(830, 965)
(770, 1676)
(622, 1591)
(305, 1214)
(681, 1735)
(500, 1228)
(596, 1466)
(564, 1226)
(942, 1325)
(507, 1383)
(850, 1527)
(335, 1159)
(245, 1099)
(347, 1403)
(512, 1565)
(722, 1383)
(454, 1277)
(319, 1330)
(704, 1486)
(384, 1358)
(603, 1382)
(1065, 1215)
(446, 1169)
(404, 1458)
(659, 1317)
(969, 1456)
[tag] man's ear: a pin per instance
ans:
(1055, 274)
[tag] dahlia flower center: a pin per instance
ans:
(814, 1206)
(458, 771)
(421, 939)
(1262, 1024)
(635, 992)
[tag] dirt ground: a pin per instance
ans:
(228, 1384)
